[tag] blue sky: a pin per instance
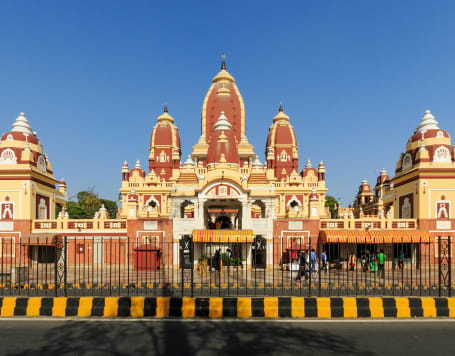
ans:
(354, 76)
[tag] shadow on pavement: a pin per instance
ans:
(176, 337)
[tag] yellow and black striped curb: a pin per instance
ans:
(241, 307)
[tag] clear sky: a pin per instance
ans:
(354, 76)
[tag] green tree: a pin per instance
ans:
(74, 210)
(89, 204)
(331, 202)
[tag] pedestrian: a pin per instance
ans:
(400, 259)
(364, 263)
(381, 261)
(217, 260)
(301, 266)
(372, 262)
(313, 260)
(352, 261)
(324, 261)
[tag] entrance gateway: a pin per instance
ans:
(224, 218)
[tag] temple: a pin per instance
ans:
(225, 193)
(222, 192)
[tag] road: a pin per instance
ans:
(225, 337)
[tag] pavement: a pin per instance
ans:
(28, 336)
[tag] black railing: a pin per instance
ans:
(115, 266)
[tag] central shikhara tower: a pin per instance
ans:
(223, 186)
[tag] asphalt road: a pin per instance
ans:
(224, 337)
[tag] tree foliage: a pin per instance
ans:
(88, 203)
(333, 204)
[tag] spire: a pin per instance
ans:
(21, 125)
(308, 164)
(222, 123)
(281, 115)
(427, 123)
(165, 116)
(138, 165)
(223, 63)
(257, 163)
(383, 172)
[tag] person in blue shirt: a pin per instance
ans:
(324, 261)
(313, 260)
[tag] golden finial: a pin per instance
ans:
(223, 63)
(165, 107)
(281, 106)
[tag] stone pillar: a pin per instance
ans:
(246, 214)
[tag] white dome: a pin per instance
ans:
(21, 125)
(427, 123)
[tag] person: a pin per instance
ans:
(324, 261)
(229, 253)
(400, 259)
(352, 261)
(381, 261)
(301, 266)
(217, 260)
(364, 263)
(372, 262)
(313, 260)
(294, 255)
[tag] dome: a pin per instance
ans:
(21, 146)
(281, 132)
(427, 123)
(165, 133)
(22, 125)
(427, 137)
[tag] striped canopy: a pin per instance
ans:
(378, 237)
(223, 236)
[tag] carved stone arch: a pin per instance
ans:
(8, 157)
(256, 205)
(442, 154)
(407, 162)
(153, 202)
(41, 163)
(185, 209)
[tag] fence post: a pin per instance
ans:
(65, 246)
(450, 266)
(439, 265)
(192, 265)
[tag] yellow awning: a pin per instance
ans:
(378, 237)
(224, 236)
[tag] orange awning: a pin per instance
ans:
(378, 237)
(224, 236)
(42, 240)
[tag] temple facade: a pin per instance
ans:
(222, 192)
(223, 196)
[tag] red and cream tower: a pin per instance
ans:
(222, 192)
(29, 191)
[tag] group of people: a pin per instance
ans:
(309, 262)
(374, 262)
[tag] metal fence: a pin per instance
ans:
(112, 266)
